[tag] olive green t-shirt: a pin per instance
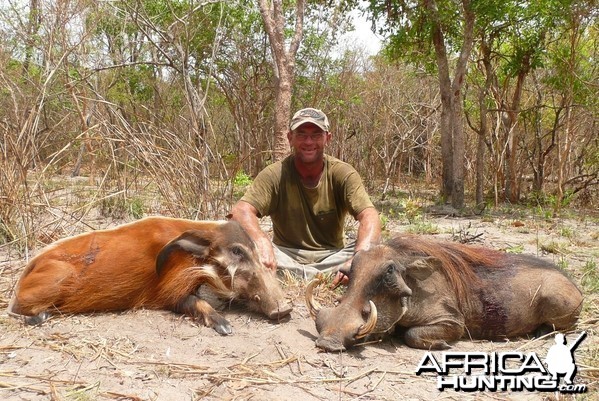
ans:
(308, 218)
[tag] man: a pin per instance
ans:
(308, 195)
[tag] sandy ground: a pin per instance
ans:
(157, 355)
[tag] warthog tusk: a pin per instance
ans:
(370, 324)
(313, 305)
(404, 308)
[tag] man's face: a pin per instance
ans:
(308, 142)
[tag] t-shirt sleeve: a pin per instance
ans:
(262, 192)
(355, 194)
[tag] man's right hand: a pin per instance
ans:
(266, 253)
(247, 215)
(340, 279)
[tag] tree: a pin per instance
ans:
(273, 15)
(518, 43)
(244, 78)
(448, 26)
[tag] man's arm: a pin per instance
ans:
(369, 229)
(369, 232)
(247, 215)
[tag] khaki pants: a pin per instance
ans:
(306, 264)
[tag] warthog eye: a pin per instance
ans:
(391, 269)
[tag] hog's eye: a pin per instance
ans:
(237, 251)
(391, 269)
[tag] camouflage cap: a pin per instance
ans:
(310, 115)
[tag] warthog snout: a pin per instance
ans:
(340, 327)
(330, 344)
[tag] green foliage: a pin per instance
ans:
(413, 211)
(384, 219)
(136, 208)
(543, 200)
(133, 84)
(242, 179)
(6, 235)
(517, 249)
(590, 277)
(240, 183)
(422, 226)
(80, 393)
(419, 224)
(553, 247)
(118, 207)
(562, 263)
(566, 232)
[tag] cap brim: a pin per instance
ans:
(308, 120)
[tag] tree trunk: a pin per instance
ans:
(509, 121)
(284, 66)
(452, 131)
(446, 105)
(32, 31)
(483, 133)
(283, 94)
(563, 152)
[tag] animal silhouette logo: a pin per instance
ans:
(560, 357)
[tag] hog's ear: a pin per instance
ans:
(195, 242)
(421, 268)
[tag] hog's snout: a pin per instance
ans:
(338, 329)
(279, 311)
(330, 344)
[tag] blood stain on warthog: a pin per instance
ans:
(494, 316)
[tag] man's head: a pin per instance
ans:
(308, 135)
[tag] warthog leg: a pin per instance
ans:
(433, 336)
(202, 311)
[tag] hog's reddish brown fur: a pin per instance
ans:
(156, 263)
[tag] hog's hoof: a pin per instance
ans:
(543, 330)
(37, 319)
(426, 344)
(440, 345)
(222, 326)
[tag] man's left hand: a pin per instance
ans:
(340, 279)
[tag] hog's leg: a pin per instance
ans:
(202, 311)
(41, 291)
(433, 336)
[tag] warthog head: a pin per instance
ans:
(376, 298)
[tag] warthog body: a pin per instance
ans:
(437, 292)
(156, 263)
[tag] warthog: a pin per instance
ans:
(156, 263)
(437, 292)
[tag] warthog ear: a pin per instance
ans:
(195, 242)
(422, 267)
